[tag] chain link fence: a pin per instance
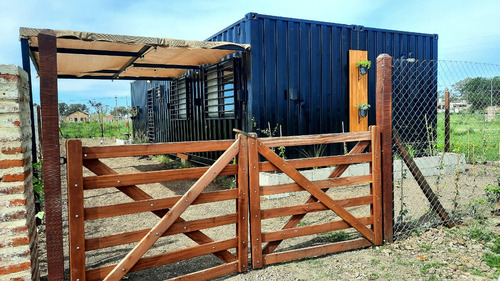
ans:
(446, 118)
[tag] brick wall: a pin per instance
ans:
(18, 247)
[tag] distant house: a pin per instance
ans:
(76, 116)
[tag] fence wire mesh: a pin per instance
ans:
(457, 153)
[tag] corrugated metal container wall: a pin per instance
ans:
(299, 69)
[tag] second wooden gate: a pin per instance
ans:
(369, 226)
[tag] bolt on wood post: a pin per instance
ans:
(384, 122)
(51, 166)
(447, 121)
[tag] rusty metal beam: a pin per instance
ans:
(51, 167)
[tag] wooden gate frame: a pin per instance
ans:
(88, 157)
(263, 256)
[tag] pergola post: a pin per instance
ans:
(51, 151)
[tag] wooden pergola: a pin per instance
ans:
(85, 55)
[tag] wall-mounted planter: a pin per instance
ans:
(362, 112)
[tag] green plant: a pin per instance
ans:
(363, 106)
(336, 236)
(38, 189)
(426, 267)
(426, 247)
(317, 151)
(364, 63)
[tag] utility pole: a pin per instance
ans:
(116, 115)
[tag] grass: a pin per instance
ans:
(93, 129)
(469, 131)
(335, 236)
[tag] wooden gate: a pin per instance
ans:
(369, 227)
(240, 158)
(169, 210)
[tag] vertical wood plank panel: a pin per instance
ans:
(255, 226)
(384, 122)
(376, 185)
(358, 91)
(242, 212)
(75, 209)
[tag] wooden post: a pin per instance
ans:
(358, 91)
(75, 210)
(422, 182)
(51, 166)
(384, 122)
(255, 223)
(242, 207)
(447, 121)
(376, 185)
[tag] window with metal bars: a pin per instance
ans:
(179, 100)
(219, 91)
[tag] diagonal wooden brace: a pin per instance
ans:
(99, 168)
(174, 213)
(295, 219)
(315, 191)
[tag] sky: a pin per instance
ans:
(468, 30)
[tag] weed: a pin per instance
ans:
(492, 260)
(336, 236)
(226, 181)
(39, 192)
(373, 276)
(375, 261)
(426, 247)
(405, 263)
(480, 234)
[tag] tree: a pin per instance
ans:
(100, 110)
(119, 111)
(77, 107)
(479, 92)
(63, 109)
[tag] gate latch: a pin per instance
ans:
(250, 135)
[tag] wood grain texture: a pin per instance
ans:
(320, 161)
(176, 228)
(150, 205)
(166, 221)
(75, 210)
(358, 91)
(384, 122)
(170, 257)
(315, 191)
(118, 180)
(325, 184)
(255, 216)
(316, 251)
(310, 229)
(99, 168)
(209, 274)
(99, 152)
(376, 185)
(337, 172)
(313, 207)
(315, 139)
(242, 204)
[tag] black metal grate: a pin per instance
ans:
(179, 100)
(220, 91)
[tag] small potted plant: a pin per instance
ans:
(363, 66)
(362, 109)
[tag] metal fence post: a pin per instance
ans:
(384, 122)
(51, 165)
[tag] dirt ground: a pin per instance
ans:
(432, 253)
